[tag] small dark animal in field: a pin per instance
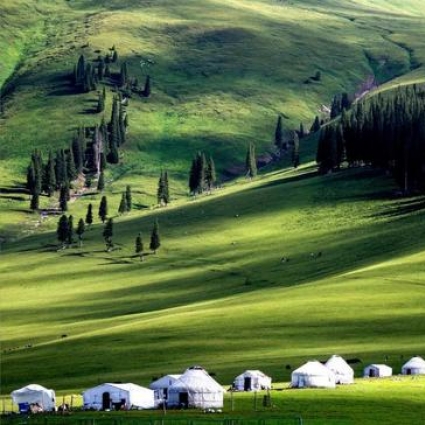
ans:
(64, 335)
(284, 260)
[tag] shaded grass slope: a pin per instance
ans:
(217, 292)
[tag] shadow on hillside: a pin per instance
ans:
(64, 91)
(14, 189)
(404, 208)
(139, 207)
(12, 197)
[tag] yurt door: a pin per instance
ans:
(184, 400)
(106, 401)
(247, 383)
(372, 373)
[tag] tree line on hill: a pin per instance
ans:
(386, 131)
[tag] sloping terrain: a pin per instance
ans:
(217, 292)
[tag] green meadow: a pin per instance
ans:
(216, 293)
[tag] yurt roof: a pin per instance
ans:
(415, 362)
(197, 379)
(313, 368)
(337, 363)
(31, 387)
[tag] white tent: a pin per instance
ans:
(32, 395)
(377, 371)
(415, 366)
(344, 374)
(196, 388)
(252, 380)
(161, 385)
(312, 375)
(118, 396)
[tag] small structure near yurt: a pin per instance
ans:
(415, 366)
(196, 388)
(252, 380)
(111, 396)
(313, 374)
(161, 385)
(34, 398)
(377, 371)
(343, 372)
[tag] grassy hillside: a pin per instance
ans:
(222, 71)
(217, 292)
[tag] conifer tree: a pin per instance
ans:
(81, 228)
(296, 150)
(100, 102)
(123, 74)
(35, 201)
(123, 204)
(251, 162)
(162, 192)
(61, 168)
(64, 197)
(155, 242)
(301, 132)
(62, 230)
(128, 198)
(89, 215)
(138, 246)
(70, 237)
(31, 179)
(147, 88)
(108, 233)
(101, 182)
(103, 209)
(316, 125)
(278, 134)
(114, 57)
(70, 166)
(80, 70)
(121, 123)
(211, 175)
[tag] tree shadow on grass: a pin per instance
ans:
(403, 208)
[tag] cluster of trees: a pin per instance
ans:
(56, 174)
(284, 140)
(202, 175)
(87, 75)
(387, 130)
(66, 233)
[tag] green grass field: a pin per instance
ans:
(217, 293)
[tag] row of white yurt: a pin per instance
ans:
(196, 388)
(314, 374)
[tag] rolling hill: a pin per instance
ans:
(217, 292)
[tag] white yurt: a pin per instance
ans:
(110, 396)
(196, 388)
(377, 371)
(415, 366)
(34, 395)
(343, 372)
(313, 374)
(161, 385)
(252, 380)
